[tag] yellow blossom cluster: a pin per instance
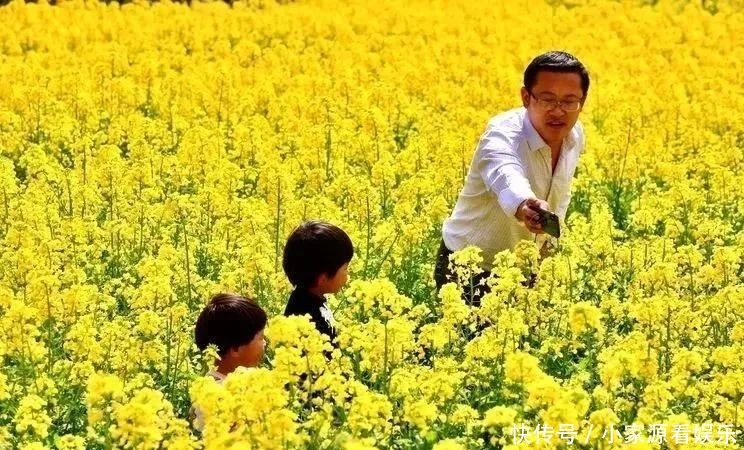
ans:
(154, 154)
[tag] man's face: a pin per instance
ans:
(552, 121)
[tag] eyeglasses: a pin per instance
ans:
(551, 103)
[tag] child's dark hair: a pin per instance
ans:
(228, 321)
(315, 248)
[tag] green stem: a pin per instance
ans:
(369, 239)
(188, 263)
(278, 223)
(385, 370)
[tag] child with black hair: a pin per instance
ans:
(316, 260)
(235, 325)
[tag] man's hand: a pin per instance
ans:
(526, 213)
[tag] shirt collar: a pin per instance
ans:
(536, 142)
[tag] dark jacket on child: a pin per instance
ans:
(301, 302)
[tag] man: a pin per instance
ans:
(525, 160)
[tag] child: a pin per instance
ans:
(235, 325)
(316, 261)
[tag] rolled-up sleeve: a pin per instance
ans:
(502, 170)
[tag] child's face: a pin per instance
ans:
(251, 354)
(340, 279)
(335, 283)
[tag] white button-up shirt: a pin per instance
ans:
(511, 164)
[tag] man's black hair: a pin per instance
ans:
(556, 61)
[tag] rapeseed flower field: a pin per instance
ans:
(152, 155)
